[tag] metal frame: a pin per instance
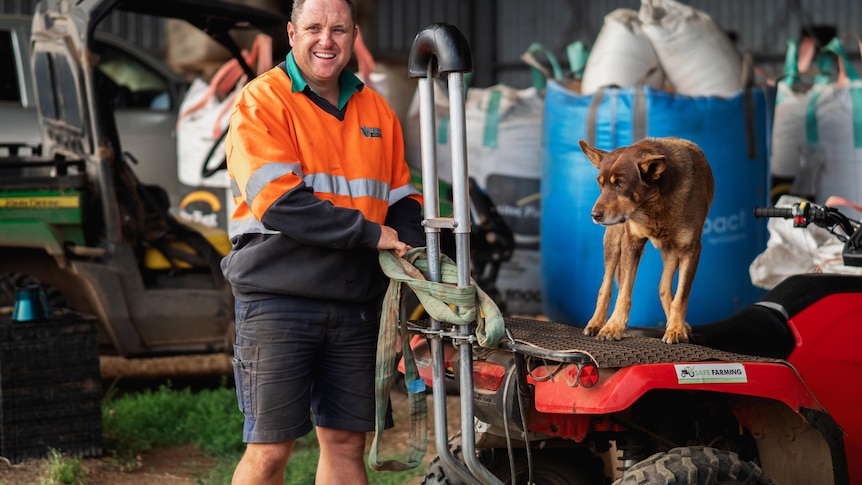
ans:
(441, 49)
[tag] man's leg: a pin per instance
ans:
(276, 342)
(343, 393)
(263, 463)
(342, 457)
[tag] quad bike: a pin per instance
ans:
(765, 396)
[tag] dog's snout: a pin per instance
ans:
(597, 216)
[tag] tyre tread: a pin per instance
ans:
(694, 465)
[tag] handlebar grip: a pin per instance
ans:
(773, 212)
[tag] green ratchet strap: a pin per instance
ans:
(438, 299)
(387, 338)
(444, 302)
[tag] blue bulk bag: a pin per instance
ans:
(733, 134)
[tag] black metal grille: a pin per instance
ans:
(565, 343)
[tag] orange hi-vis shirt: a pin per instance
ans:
(312, 184)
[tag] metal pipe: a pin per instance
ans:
(461, 210)
(428, 150)
(443, 48)
(430, 194)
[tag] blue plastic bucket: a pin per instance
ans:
(733, 134)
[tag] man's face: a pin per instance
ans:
(322, 41)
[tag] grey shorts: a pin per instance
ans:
(298, 360)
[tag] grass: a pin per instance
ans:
(64, 470)
(208, 419)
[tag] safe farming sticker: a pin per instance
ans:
(710, 373)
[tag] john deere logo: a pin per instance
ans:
(371, 132)
(39, 202)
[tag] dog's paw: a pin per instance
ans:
(675, 335)
(611, 332)
(593, 328)
(676, 332)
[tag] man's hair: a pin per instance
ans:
(296, 10)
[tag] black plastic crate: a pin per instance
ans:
(50, 387)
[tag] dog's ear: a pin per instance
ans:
(651, 167)
(593, 154)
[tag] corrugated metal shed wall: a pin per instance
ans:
(761, 26)
(145, 31)
(25, 7)
(396, 22)
(501, 30)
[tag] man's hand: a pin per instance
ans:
(389, 240)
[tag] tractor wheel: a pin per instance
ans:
(549, 467)
(695, 464)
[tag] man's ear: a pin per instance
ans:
(651, 167)
(594, 154)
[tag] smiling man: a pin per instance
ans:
(317, 168)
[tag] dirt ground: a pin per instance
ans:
(181, 465)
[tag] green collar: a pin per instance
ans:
(348, 83)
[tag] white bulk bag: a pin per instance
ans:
(789, 147)
(622, 55)
(204, 116)
(835, 137)
(697, 56)
(794, 250)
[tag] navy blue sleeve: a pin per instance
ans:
(302, 216)
(405, 216)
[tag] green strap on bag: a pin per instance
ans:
(444, 302)
(834, 46)
(539, 72)
(824, 69)
(791, 69)
(577, 54)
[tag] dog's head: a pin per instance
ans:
(627, 178)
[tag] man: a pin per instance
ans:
(317, 167)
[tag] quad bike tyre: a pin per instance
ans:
(699, 465)
(547, 468)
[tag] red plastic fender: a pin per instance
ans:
(618, 389)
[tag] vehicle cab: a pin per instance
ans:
(78, 219)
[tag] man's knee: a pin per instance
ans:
(269, 456)
(263, 463)
(345, 442)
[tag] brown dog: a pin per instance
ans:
(658, 189)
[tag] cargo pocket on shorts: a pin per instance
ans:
(245, 375)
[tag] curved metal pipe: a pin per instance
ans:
(443, 49)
